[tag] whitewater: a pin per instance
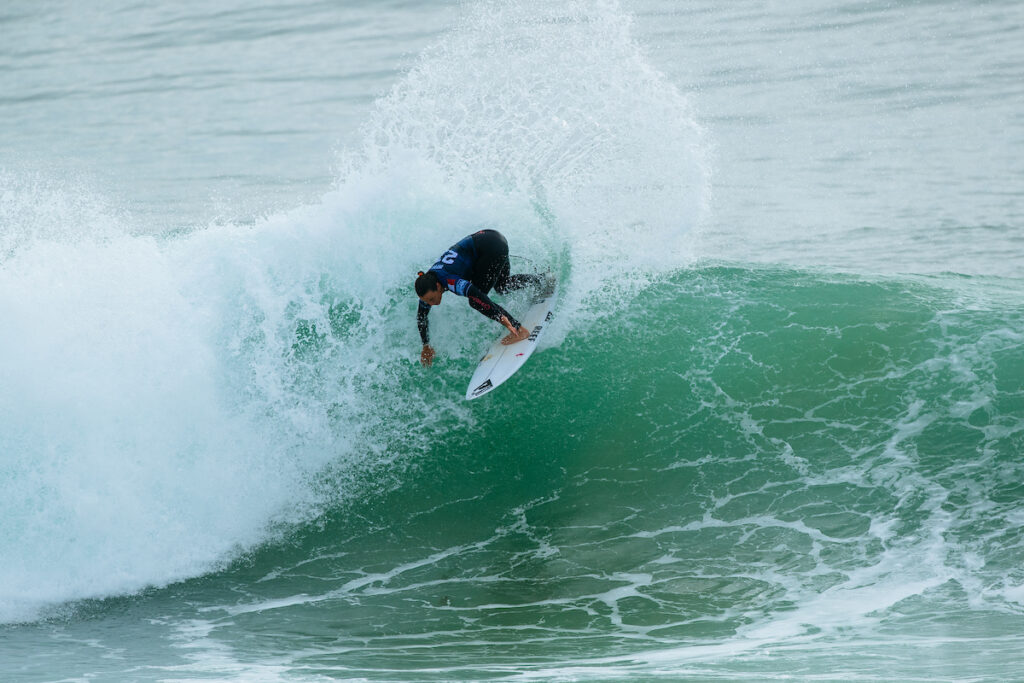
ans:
(775, 430)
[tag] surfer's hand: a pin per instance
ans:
(515, 335)
(427, 354)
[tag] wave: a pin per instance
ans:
(173, 400)
(745, 459)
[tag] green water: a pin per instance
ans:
(775, 430)
(770, 463)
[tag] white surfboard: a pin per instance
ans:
(501, 361)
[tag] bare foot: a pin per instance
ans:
(548, 287)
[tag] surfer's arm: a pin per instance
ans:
(480, 302)
(422, 324)
(427, 353)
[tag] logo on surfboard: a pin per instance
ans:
(482, 388)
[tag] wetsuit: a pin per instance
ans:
(471, 268)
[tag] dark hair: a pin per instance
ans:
(426, 282)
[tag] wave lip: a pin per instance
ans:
(554, 105)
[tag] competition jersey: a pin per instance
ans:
(455, 267)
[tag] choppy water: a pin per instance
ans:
(777, 429)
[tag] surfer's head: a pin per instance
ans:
(428, 288)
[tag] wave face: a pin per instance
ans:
(748, 470)
(171, 400)
(220, 459)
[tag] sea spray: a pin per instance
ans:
(553, 105)
(171, 400)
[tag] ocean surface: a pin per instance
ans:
(776, 430)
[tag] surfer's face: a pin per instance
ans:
(433, 298)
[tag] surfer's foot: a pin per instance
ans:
(517, 336)
(542, 288)
(547, 287)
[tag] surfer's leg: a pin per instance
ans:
(510, 283)
(488, 273)
(492, 270)
(500, 280)
(491, 265)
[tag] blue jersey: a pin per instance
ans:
(455, 267)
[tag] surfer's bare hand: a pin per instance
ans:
(427, 354)
(516, 335)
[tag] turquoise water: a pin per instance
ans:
(775, 431)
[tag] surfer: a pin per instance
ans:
(471, 268)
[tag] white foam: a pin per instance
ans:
(168, 400)
(554, 106)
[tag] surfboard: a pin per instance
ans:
(500, 361)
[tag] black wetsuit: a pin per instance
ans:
(471, 268)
